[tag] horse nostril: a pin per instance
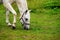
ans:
(26, 19)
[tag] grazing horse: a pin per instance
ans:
(23, 8)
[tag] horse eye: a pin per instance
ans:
(26, 19)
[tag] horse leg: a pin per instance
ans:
(7, 17)
(9, 7)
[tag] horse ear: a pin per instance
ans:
(29, 10)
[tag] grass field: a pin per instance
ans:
(45, 22)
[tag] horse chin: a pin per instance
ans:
(26, 27)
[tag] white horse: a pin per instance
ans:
(23, 8)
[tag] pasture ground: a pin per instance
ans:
(45, 22)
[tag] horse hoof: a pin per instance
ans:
(9, 25)
(13, 27)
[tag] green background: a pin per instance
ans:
(45, 22)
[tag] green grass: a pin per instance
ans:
(45, 22)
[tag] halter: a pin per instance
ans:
(24, 23)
